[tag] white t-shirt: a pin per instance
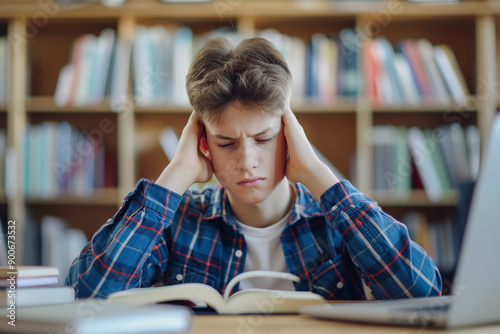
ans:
(264, 252)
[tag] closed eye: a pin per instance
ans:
(225, 145)
(262, 141)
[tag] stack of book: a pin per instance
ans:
(32, 285)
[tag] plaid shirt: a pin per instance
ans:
(160, 238)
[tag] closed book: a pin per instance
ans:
(451, 73)
(439, 91)
(29, 276)
(425, 164)
(37, 295)
(96, 316)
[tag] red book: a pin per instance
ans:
(410, 51)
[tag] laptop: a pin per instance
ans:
(475, 294)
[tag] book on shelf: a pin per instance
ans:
(28, 276)
(259, 301)
(438, 237)
(3, 160)
(62, 160)
(414, 72)
(422, 156)
(119, 84)
(41, 295)
(60, 244)
(3, 243)
(83, 82)
(426, 52)
(437, 160)
(4, 70)
(96, 316)
(450, 71)
(392, 168)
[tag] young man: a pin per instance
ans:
(277, 206)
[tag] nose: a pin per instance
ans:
(247, 156)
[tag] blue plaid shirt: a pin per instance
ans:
(159, 238)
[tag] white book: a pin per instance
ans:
(450, 76)
(49, 186)
(425, 165)
(459, 148)
(327, 75)
(440, 92)
(3, 154)
(297, 64)
(120, 77)
(4, 69)
(63, 87)
(97, 316)
(160, 71)
(408, 83)
(88, 61)
(182, 55)
(76, 241)
(104, 52)
(40, 295)
(54, 243)
(142, 67)
(473, 140)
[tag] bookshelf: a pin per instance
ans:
(341, 130)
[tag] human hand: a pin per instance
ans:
(189, 164)
(303, 164)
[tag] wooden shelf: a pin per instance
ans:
(341, 106)
(341, 129)
(46, 104)
(470, 106)
(102, 197)
(415, 198)
(261, 8)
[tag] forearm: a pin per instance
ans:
(126, 252)
(319, 179)
(176, 178)
(392, 265)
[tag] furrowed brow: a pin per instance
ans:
(255, 135)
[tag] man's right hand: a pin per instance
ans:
(189, 165)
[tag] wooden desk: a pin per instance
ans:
(299, 324)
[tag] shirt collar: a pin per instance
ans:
(304, 206)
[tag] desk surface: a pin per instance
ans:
(291, 324)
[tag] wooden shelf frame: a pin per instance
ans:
(246, 16)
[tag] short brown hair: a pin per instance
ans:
(254, 74)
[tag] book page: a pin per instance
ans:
(185, 291)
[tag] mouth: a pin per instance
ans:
(250, 182)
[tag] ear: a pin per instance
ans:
(204, 147)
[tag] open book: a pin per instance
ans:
(259, 301)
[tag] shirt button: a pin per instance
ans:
(334, 207)
(340, 285)
(238, 253)
(179, 277)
